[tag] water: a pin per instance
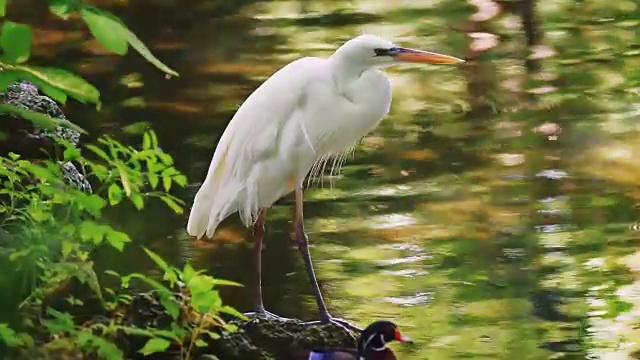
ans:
(490, 215)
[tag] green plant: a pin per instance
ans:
(49, 228)
(59, 84)
(190, 299)
(55, 225)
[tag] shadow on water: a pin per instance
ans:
(488, 215)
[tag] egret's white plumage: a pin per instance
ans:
(310, 109)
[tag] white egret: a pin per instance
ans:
(309, 109)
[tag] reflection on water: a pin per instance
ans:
(489, 215)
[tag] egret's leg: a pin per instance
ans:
(258, 235)
(303, 247)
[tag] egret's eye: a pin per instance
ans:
(382, 52)
(387, 52)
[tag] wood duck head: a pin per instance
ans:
(374, 339)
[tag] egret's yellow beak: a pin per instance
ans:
(419, 56)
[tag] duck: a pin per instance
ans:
(371, 345)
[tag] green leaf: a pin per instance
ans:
(167, 160)
(90, 230)
(181, 180)
(115, 194)
(120, 31)
(107, 29)
(15, 41)
(233, 327)
(154, 345)
(130, 330)
(137, 200)
(223, 282)
(54, 93)
(212, 335)
(75, 86)
(201, 343)
(172, 307)
(38, 119)
(166, 183)
(118, 239)
(188, 272)
(146, 141)
(136, 128)
(172, 204)
(112, 273)
(71, 153)
(124, 177)
(9, 336)
(96, 150)
(67, 248)
(146, 53)
(154, 138)
(7, 78)
(62, 8)
(231, 311)
(153, 180)
(157, 259)
(206, 301)
(166, 333)
(3, 7)
(179, 330)
(83, 271)
(106, 349)
(61, 322)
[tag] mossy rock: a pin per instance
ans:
(263, 338)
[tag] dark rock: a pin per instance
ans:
(267, 338)
(31, 142)
(25, 95)
(258, 338)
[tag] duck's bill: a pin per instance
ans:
(419, 56)
(401, 338)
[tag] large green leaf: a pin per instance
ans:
(15, 41)
(70, 83)
(100, 21)
(106, 29)
(38, 119)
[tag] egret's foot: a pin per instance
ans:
(262, 313)
(336, 321)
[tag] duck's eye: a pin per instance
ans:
(382, 52)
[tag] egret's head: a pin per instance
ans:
(370, 50)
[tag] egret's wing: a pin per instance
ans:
(252, 135)
(254, 129)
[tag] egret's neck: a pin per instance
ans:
(345, 71)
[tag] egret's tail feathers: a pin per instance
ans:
(209, 208)
(200, 213)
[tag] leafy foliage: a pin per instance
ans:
(52, 226)
(192, 301)
(55, 226)
(16, 41)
